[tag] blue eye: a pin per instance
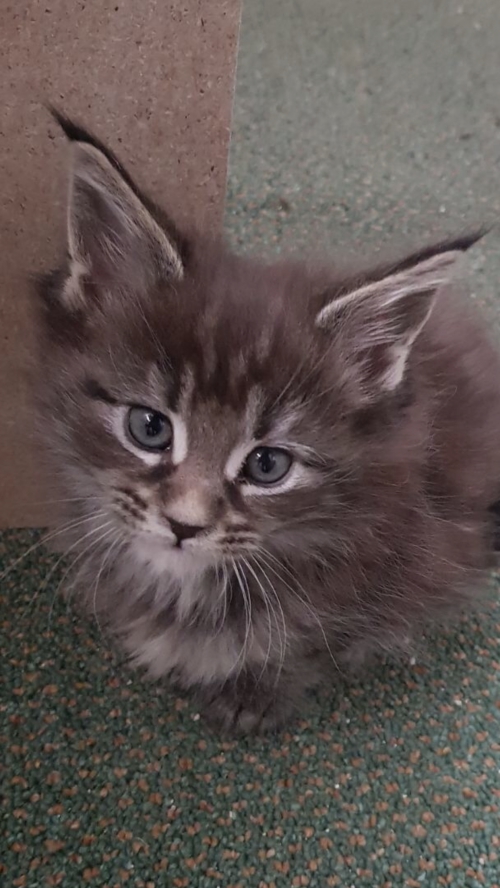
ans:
(267, 465)
(149, 429)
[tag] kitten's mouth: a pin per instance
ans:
(180, 549)
(166, 552)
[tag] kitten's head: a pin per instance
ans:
(203, 407)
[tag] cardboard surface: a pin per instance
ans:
(155, 81)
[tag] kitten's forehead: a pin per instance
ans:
(214, 427)
(231, 336)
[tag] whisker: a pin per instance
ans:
(71, 499)
(304, 602)
(248, 614)
(80, 555)
(282, 638)
(52, 535)
(106, 558)
(270, 638)
(45, 581)
(222, 596)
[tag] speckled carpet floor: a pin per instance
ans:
(351, 120)
(390, 782)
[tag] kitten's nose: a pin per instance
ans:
(184, 531)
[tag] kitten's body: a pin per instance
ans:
(381, 385)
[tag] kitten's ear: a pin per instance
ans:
(378, 323)
(114, 240)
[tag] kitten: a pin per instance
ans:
(271, 470)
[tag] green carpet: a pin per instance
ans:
(110, 781)
(360, 121)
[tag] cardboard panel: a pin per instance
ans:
(155, 81)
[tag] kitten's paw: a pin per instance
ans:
(229, 715)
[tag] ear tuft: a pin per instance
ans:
(75, 132)
(379, 322)
(114, 240)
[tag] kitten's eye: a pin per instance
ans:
(267, 465)
(149, 429)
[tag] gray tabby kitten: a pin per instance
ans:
(271, 470)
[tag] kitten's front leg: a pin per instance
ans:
(253, 703)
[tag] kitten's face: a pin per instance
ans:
(199, 428)
(204, 407)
